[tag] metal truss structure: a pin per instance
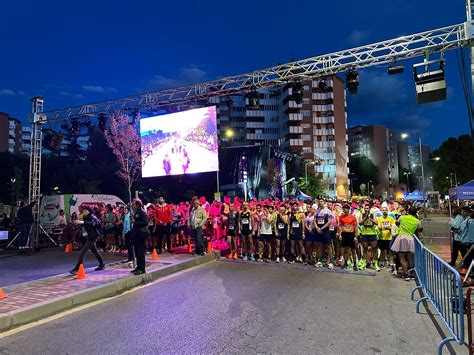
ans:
(385, 52)
(390, 51)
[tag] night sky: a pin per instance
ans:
(77, 52)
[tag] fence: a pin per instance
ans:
(441, 285)
(470, 344)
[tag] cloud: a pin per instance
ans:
(185, 76)
(358, 37)
(98, 89)
(8, 92)
(70, 95)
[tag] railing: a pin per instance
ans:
(470, 344)
(441, 285)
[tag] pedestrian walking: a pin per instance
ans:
(92, 227)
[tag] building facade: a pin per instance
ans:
(10, 134)
(314, 128)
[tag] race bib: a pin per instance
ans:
(386, 225)
(331, 228)
(231, 228)
(295, 224)
(245, 221)
(321, 221)
(347, 228)
(367, 223)
(281, 226)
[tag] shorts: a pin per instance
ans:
(347, 240)
(174, 229)
(369, 238)
(311, 237)
(296, 237)
(266, 238)
(383, 244)
(110, 230)
(231, 232)
(332, 235)
(322, 238)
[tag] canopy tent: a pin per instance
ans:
(462, 192)
(414, 196)
(300, 195)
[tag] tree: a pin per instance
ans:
(316, 186)
(123, 138)
(456, 156)
(363, 171)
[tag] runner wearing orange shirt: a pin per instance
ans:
(348, 233)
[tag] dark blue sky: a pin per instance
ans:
(75, 52)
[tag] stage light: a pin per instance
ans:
(323, 85)
(352, 81)
(396, 69)
(430, 85)
(298, 92)
(253, 98)
(52, 140)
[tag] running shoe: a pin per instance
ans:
(245, 257)
(277, 259)
(259, 260)
(230, 256)
(330, 266)
(252, 258)
(355, 268)
(376, 265)
(283, 259)
(318, 264)
(234, 256)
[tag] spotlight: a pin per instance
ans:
(52, 140)
(298, 92)
(430, 85)
(323, 85)
(254, 99)
(352, 81)
(396, 69)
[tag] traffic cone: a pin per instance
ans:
(190, 248)
(2, 294)
(68, 248)
(171, 246)
(209, 247)
(154, 255)
(81, 273)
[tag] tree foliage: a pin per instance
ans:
(123, 138)
(456, 157)
(362, 171)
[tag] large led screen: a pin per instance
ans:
(179, 143)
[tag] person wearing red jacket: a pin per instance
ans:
(163, 217)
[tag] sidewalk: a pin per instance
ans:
(33, 300)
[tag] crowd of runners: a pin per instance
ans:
(372, 234)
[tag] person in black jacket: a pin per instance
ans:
(25, 221)
(139, 233)
(91, 226)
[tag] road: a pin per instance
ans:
(226, 307)
(16, 268)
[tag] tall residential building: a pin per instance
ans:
(379, 144)
(10, 134)
(26, 140)
(403, 155)
(316, 128)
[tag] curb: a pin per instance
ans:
(49, 308)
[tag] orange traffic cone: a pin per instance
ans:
(2, 294)
(154, 255)
(190, 248)
(68, 248)
(81, 273)
(171, 246)
(209, 247)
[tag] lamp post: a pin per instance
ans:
(408, 181)
(310, 162)
(13, 180)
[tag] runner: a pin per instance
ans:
(267, 222)
(386, 226)
(296, 234)
(310, 229)
(369, 238)
(348, 233)
(246, 232)
(232, 221)
(323, 215)
(281, 235)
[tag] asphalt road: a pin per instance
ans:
(226, 307)
(15, 269)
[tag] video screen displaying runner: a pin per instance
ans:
(179, 143)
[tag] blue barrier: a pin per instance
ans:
(441, 285)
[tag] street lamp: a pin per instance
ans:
(368, 187)
(229, 133)
(310, 162)
(13, 180)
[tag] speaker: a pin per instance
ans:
(52, 140)
(430, 86)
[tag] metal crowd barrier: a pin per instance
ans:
(470, 345)
(441, 285)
